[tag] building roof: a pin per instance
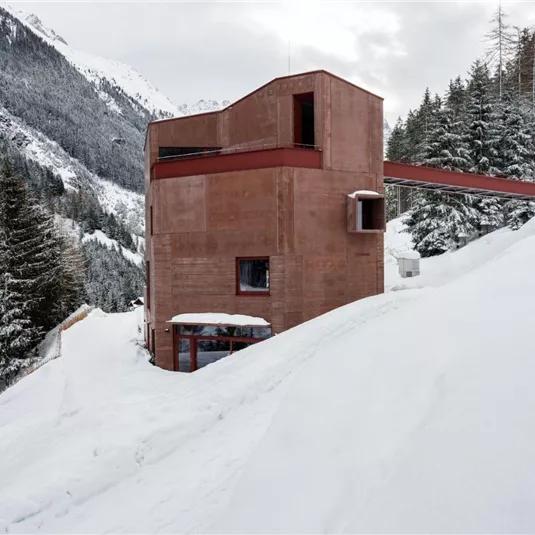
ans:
(318, 71)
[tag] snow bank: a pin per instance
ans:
(440, 270)
(406, 412)
(215, 318)
(409, 435)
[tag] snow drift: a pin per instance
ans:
(406, 412)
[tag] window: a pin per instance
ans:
(225, 331)
(365, 213)
(304, 120)
(252, 276)
(197, 346)
(147, 275)
(209, 351)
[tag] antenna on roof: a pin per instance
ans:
(289, 56)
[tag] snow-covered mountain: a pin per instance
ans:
(100, 70)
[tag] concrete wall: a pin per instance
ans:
(296, 216)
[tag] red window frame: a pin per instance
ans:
(193, 345)
(245, 292)
(147, 283)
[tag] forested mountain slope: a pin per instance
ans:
(484, 124)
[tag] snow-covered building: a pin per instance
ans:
(271, 208)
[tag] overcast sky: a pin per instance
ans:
(223, 50)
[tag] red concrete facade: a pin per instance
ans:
(263, 196)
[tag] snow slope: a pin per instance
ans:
(127, 205)
(98, 235)
(406, 412)
(439, 270)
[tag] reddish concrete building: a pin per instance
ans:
(271, 208)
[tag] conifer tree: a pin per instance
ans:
(484, 136)
(447, 148)
(438, 220)
(397, 150)
(481, 134)
(515, 148)
(17, 335)
(397, 199)
(519, 213)
(34, 252)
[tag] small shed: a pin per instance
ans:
(409, 263)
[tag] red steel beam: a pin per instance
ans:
(239, 161)
(443, 177)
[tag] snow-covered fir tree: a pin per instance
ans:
(515, 147)
(517, 155)
(397, 150)
(397, 198)
(484, 137)
(17, 334)
(40, 273)
(438, 221)
(486, 126)
(34, 259)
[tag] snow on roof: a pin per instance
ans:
(409, 255)
(363, 192)
(219, 318)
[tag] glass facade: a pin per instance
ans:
(200, 345)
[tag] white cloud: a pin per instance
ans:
(220, 50)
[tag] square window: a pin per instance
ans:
(252, 276)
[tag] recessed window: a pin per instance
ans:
(304, 120)
(252, 276)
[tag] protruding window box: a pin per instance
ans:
(365, 212)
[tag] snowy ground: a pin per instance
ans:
(406, 412)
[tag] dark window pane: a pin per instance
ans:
(205, 330)
(184, 363)
(209, 351)
(254, 275)
(236, 346)
(261, 332)
(253, 332)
